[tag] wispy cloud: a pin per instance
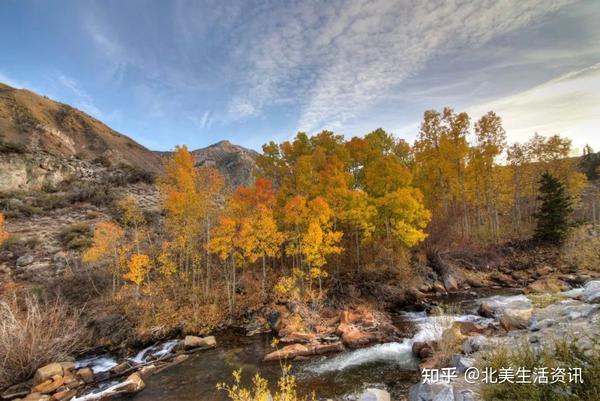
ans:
(339, 58)
(82, 99)
(567, 105)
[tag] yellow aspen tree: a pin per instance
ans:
(318, 240)
(132, 217)
(185, 205)
(138, 267)
(107, 240)
(267, 235)
(229, 242)
(359, 214)
(3, 233)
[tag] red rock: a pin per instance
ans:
(355, 338)
(49, 385)
(288, 352)
(319, 349)
(298, 337)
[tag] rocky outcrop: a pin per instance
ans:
(34, 124)
(236, 163)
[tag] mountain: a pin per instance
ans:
(44, 142)
(236, 163)
(30, 123)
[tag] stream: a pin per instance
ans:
(389, 366)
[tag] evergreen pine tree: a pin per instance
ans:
(553, 213)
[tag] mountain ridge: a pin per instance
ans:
(43, 141)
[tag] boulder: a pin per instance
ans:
(134, 383)
(474, 282)
(49, 386)
(86, 374)
(452, 336)
(24, 260)
(120, 368)
(503, 280)
(474, 344)
(438, 288)
(355, 338)
(374, 394)
(431, 392)
(462, 363)
(450, 282)
(472, 329)
(546, 285)
(495, 306)
(591, 292)
(199, 342)
(515, 319)
(68, 367)
(423, 349)
(486, 310)
(47, 372)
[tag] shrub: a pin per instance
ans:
(94, 193)
(259, 391)
(77, 236)
(562, 354)
(35, 334)
(582, 248)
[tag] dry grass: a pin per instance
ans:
(564, 353)
(33, 334)
(582, 248)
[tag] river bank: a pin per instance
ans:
(337, 352)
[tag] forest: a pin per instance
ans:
(332, 236)
(325, 211)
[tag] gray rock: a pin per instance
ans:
(463, 395)
(420, 392)
(374, 394)
(591, 291)
(450, 282)
(431, 392)
(462, 363)
(24, 260)
(474, 344)
(496, 305)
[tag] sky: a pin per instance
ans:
(196, 72)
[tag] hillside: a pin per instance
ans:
(236, 163)
(30, 123)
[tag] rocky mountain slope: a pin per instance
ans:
(236, 163)
(43, 141)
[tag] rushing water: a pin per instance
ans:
(337, 376)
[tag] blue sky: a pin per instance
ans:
(195, 72)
